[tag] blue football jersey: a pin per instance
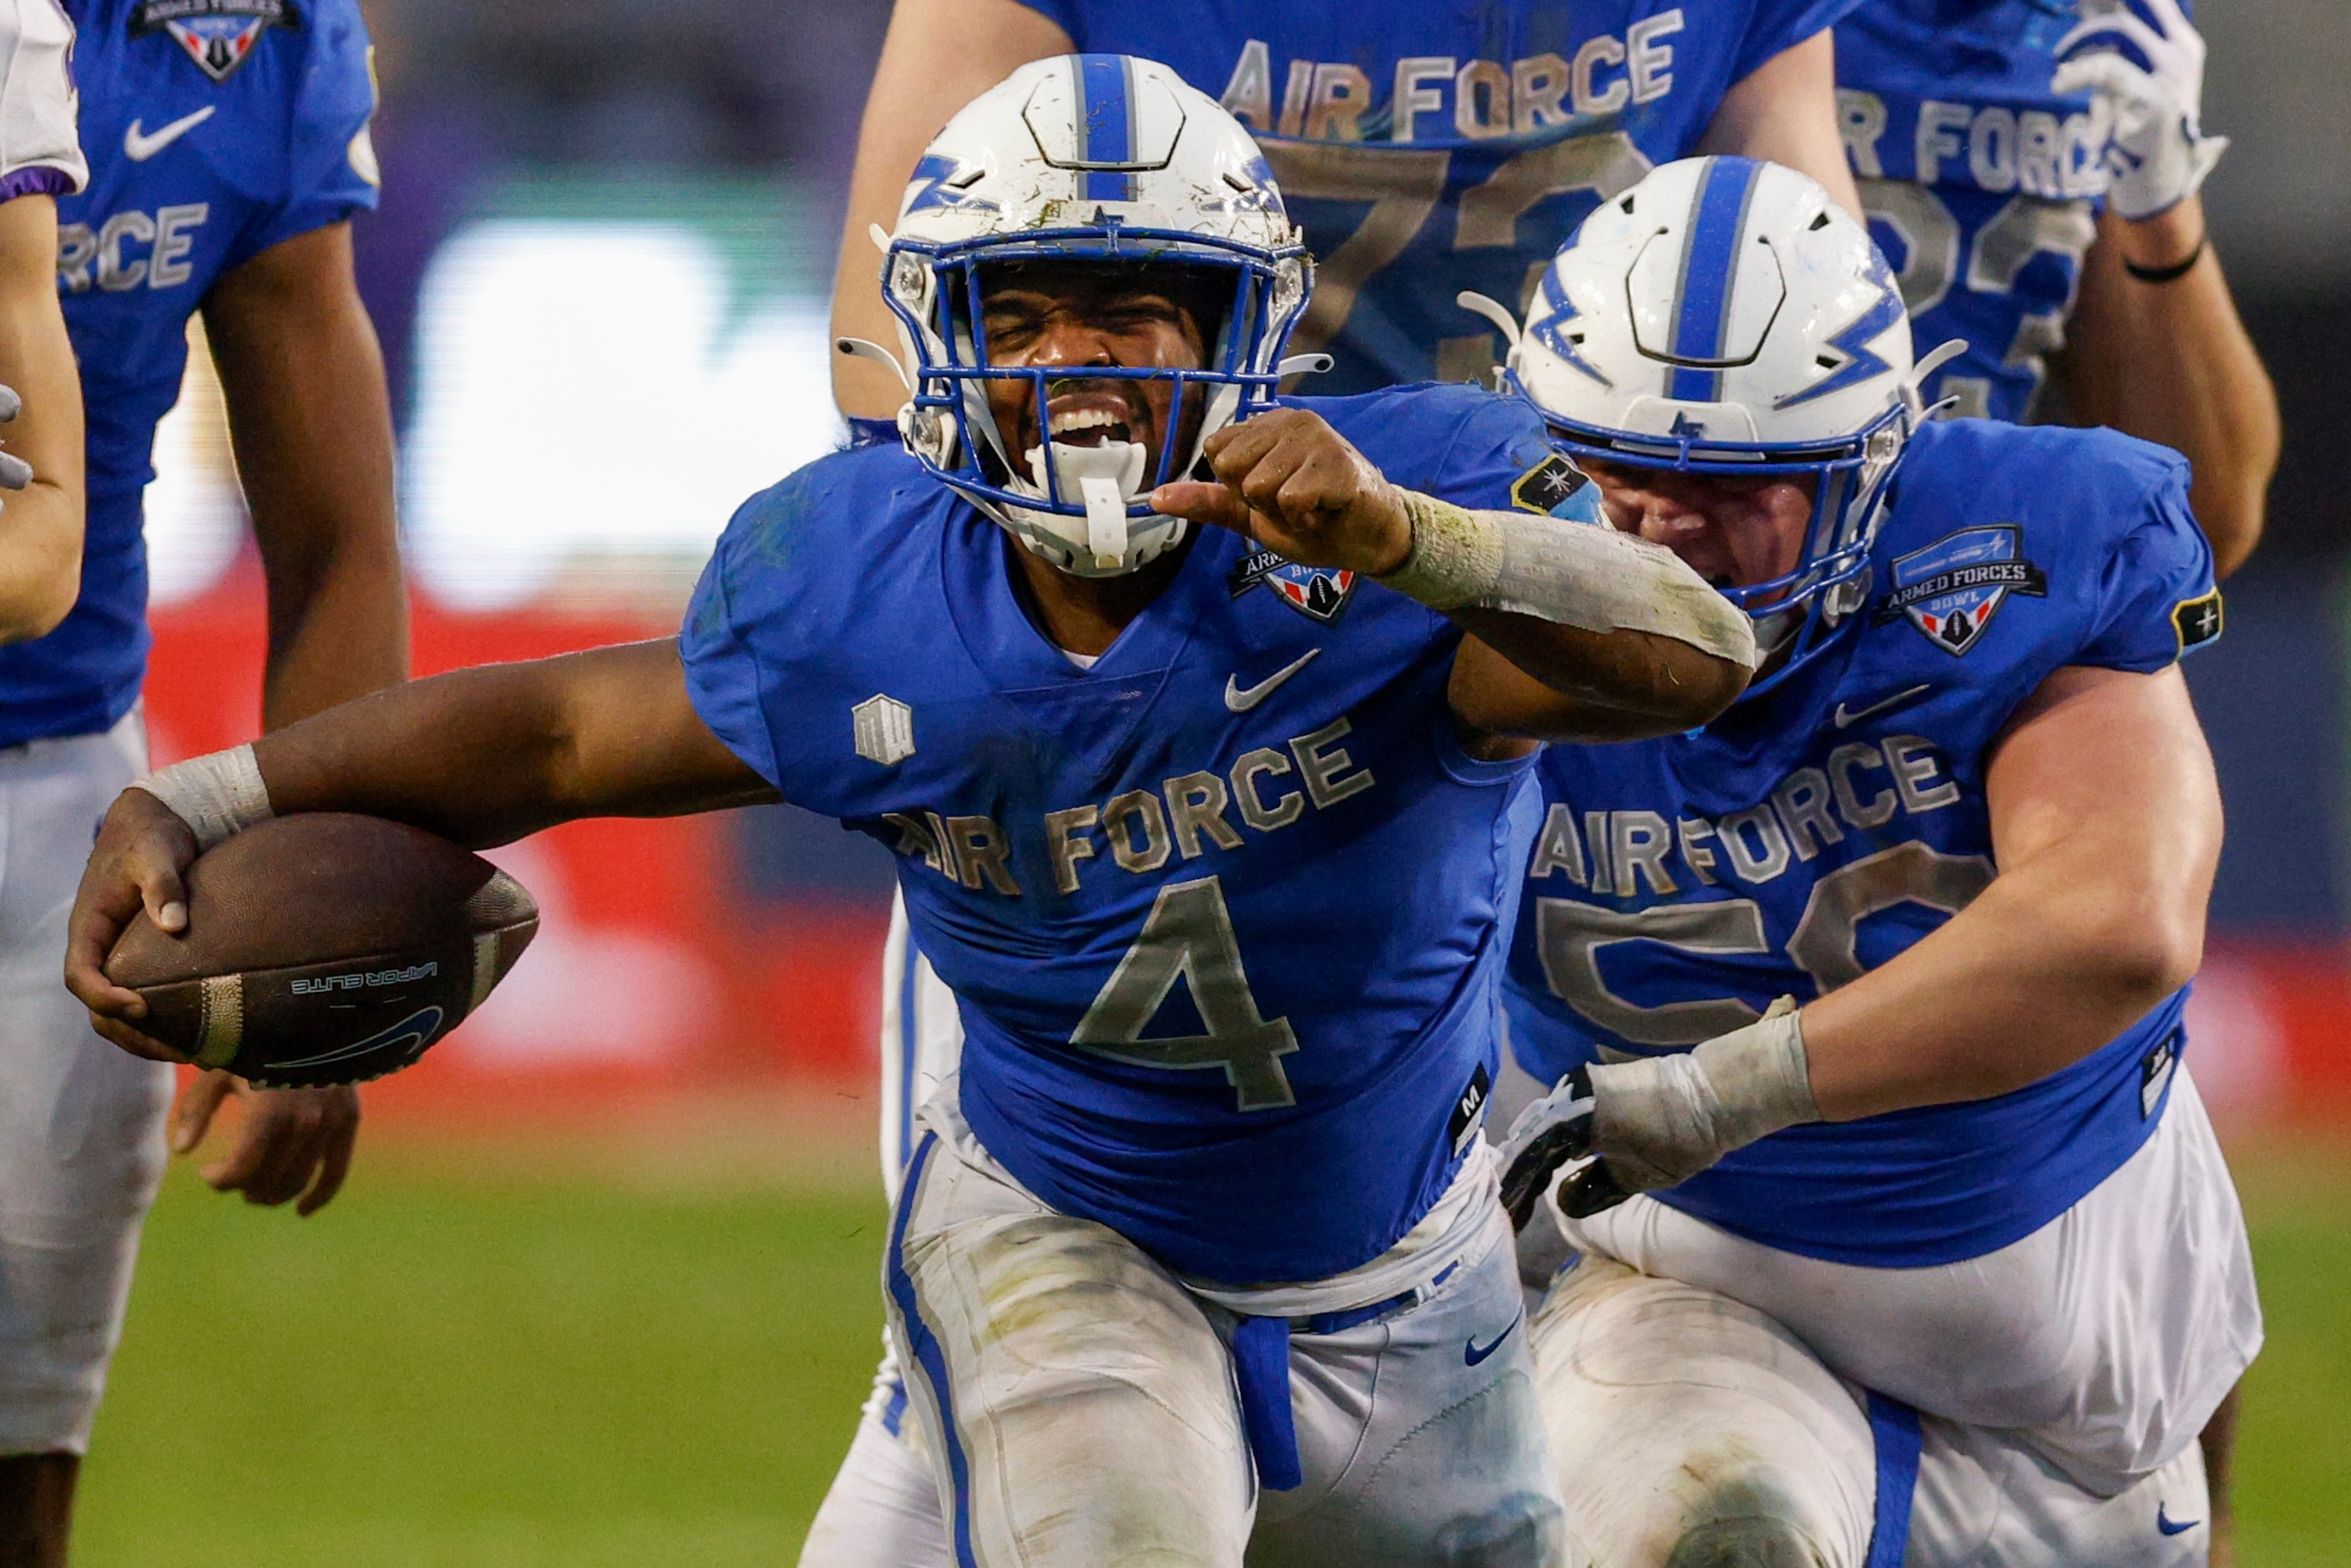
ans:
(214, 129)
(1678, 886)
(1225, 913)
(1982, 184)
(1425, 149)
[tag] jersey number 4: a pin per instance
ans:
(1189, 935)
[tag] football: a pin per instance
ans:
(325, 949)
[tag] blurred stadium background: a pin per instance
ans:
(602, 1290)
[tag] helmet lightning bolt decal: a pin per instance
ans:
(1859, 363)
(1547, 327)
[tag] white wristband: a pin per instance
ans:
(218, 795)
(1663, 1119)
(1572, 574)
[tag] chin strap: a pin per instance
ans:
(1104, 478)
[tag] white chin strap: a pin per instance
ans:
(1106, 478)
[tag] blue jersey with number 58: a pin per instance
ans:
(1226, 912)
(1428, 148)
(1679, 885)
(1982, 184)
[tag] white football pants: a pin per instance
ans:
(1702, 1389)
(82, 1147)
(1135, 1414)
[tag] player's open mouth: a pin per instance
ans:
(1089, 414)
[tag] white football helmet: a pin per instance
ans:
(1728, 315)
(1099, 158)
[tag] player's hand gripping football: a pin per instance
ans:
(138, 864)
(1292, 483)
(291, 1142)
(2145, 61)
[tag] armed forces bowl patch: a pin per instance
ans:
(218, 34)
(1950, 589)
(1318, 592)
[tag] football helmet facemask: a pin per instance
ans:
(1095, 161)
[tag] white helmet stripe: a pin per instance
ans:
(1708, 277)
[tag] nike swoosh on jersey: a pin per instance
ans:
(1471, 1354)
(1846, 719)
(139, 147)
(1240, 698)
(2170, 1527)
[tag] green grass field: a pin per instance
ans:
(516, 1358)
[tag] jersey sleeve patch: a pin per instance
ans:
(1553, 483)
(2197, 620)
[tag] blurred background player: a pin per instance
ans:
(2032, 170)
(1421, 151)
(1115, 1241)
(228, 149)
(1967, 819)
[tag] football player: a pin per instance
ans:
(1225, 915)
(228, 148)
(1871, 990)
(1422, 151)
(2032, 169)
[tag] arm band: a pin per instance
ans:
(1662, 1119)
(1572, 574)
(218, 795)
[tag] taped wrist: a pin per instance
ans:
(218, 795)
(1571, 574)
(1663, 1119)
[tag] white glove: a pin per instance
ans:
(1658, 1121)
(2159, 154)
(14, 472)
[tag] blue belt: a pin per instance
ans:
(1261, 1369)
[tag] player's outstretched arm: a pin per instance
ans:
(938, 55)
(1784, 112)
(482, 757)
(1576, 633)
(2106, 819)
(41, 516)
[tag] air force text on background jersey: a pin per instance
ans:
(1982, 184)
(214, 133)
(1225, 913)
(1424, 149)
(1679, 885)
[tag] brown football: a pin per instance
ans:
(324, 948)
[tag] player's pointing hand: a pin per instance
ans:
(1292, 483)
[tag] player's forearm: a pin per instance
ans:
(489, 754)
(1545, 682)
(1784, 112)
(303, 378)
(41, 525)
(2054, 960)
(938, 55)
(2171, 363)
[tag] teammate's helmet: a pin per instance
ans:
(1096, 158)
(1728, 316)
